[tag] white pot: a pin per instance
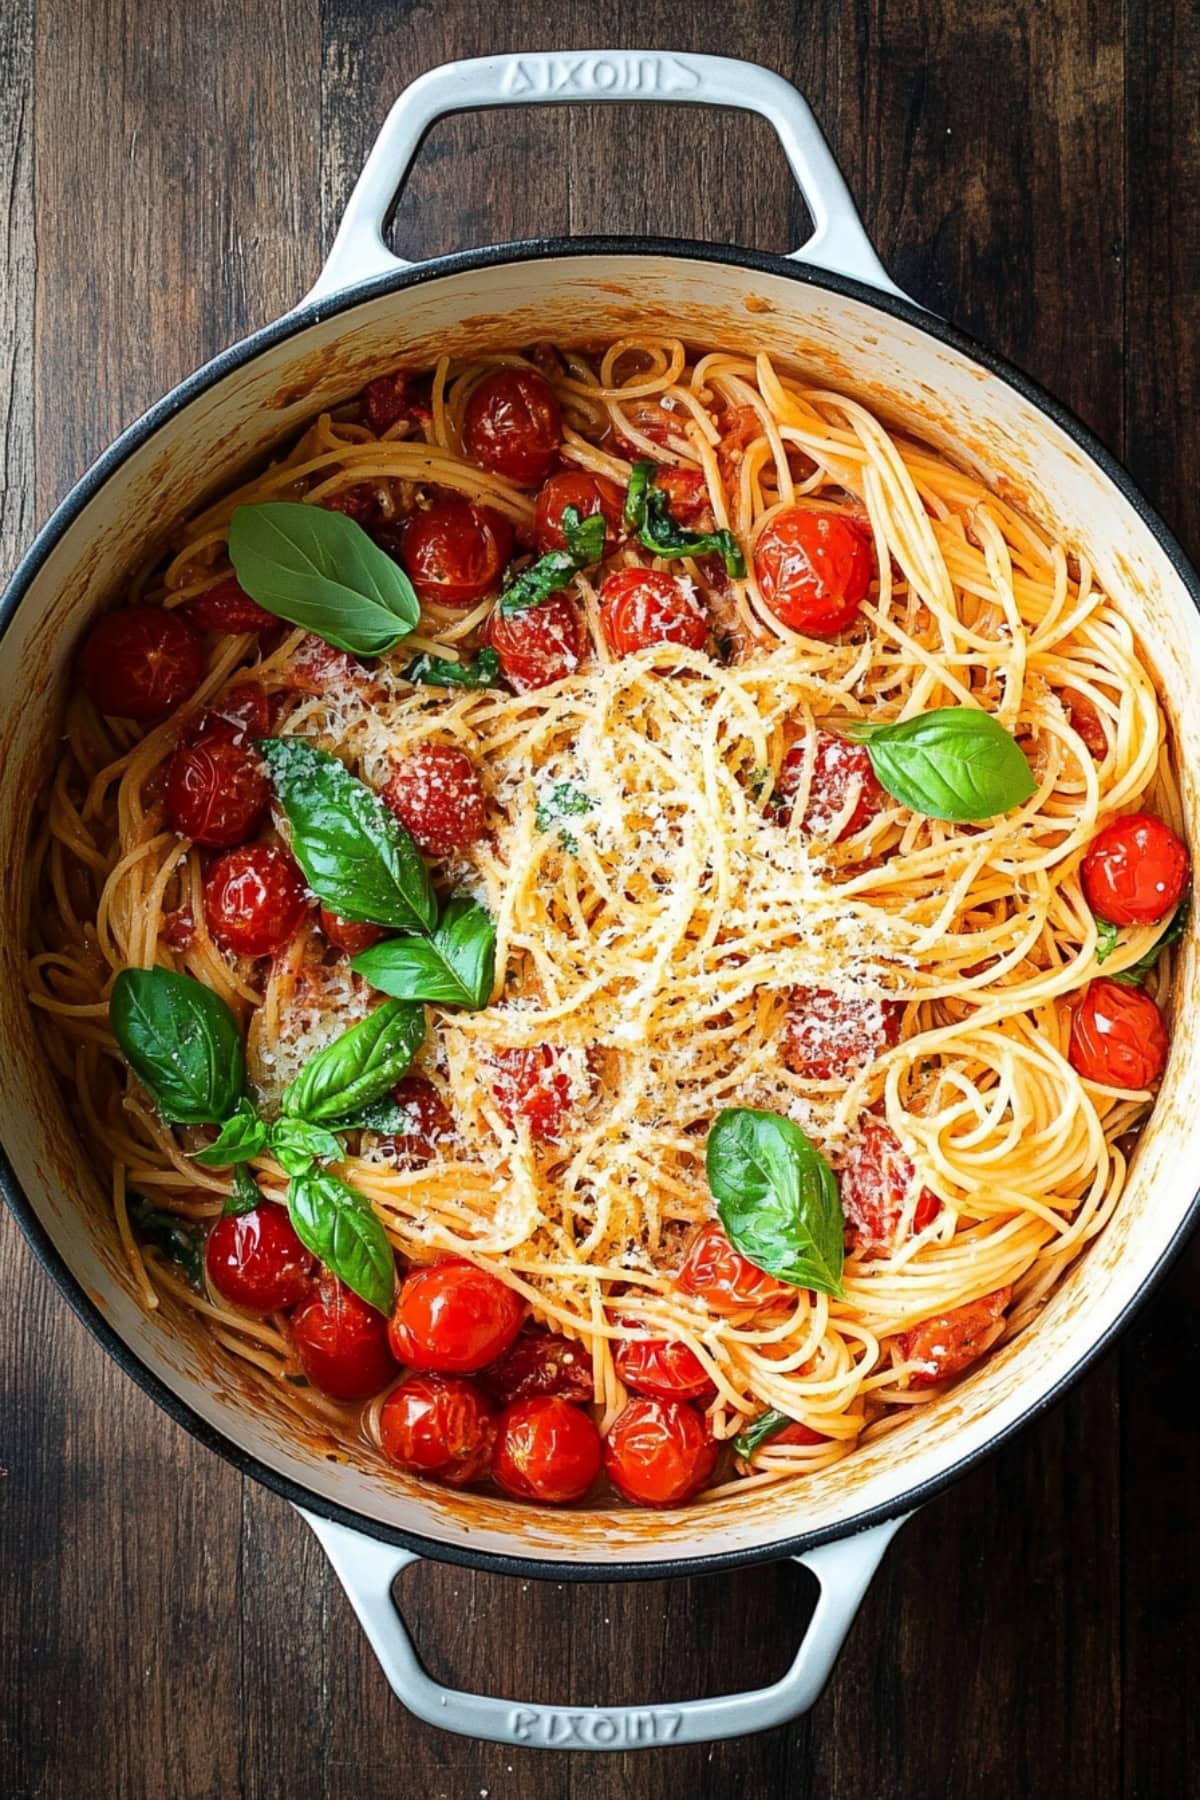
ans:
(832, 309)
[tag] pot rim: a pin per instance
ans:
(228, 362)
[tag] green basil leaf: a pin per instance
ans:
(1108, 937)
(357, 1067)
(454, 967)
(956, 763)
(553, 572)
(1137, 972)
(336, 1223)
(648, 512)
(777, 1198)
(758, 1431)
(296, 1145)
(635, 494)
(182, 1042)
(178, 1240)
(435, 671)
(384, 1116)
(319, 569)
(356, 856)
(240, 1138)
(245, 1196)
(585, 537)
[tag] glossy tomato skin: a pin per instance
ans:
(321, 668)
(141, 662)
(797, 1433)
(1118, 1037)
(529, 1085)
(1136, 871)
(227, 607)
(588, 494)
(436, 794)
(643, 607)
(842, 777)
(663, 1368)
(513, 425)
(813, 570)
(827, 1037)
(719, 1275)
(453, 552)
(254, 900)
(453, 1318)
(440, 1426)
(348, 935)
(537, 646)
(217, 792)
(242, 713)
(256, 1262)
(427, 1122)
(1083, 717)
(875, 1178)
(947, 1345)
(686, 491)
(342, 1343)
(546, 1450)
(538, 1362)
(659, 1453)
(388, 399)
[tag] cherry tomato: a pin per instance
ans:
(453, 1318)
(254, 900)
(241, 712)
(721, 1276)
(349, 935)
(828, 1038)
(876, 1178)
(217, 793)
(179, 928)
(686, 491)
(388, 399)
(813, 570)
(547, 1450)
(1083, 717)
(1118, 1038)
(513, 425)
(321, 668)
(141, 662)
(950, 1343)
(435, 793)
(658, 1453)
(797, 1433)
(661, 1367)
(1136, 871)
(341, 1343)
(539, 1362)
(537, 646)
(427, 1122)
(453, 552)
(440, 1426)
(256, 1261)
(640, 607)
(530, 1086)
(842, 777)
(228, 607)
(588, 494)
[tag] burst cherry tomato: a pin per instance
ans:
(1084, 717)
(435, 793)
(539, 1362)
(242, 712)
(720, 1275)
(950, 1343)
(588, 494)
(876, 1179)
(141, 662)
(547, 1450)
(664, 1368)
(348, 935)
(217, 793)
(513, 425)
(453, 552)
(254, 900)
(797, 1433)
(1118, 1038)
(686, 491)
(321, 668)
(1136, 871)
(342, 1343)
(642, 607)
(829, 1038)
(440, 1426)
(842, 777)
(427, 1122)
(813, 570)
(537, 646)
(388, 399)
(659, 1453)
(530, 1086)
(228, 607)
(453, 1318)
(255, 1260)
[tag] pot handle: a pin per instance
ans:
(366, 1569)
(838, 243)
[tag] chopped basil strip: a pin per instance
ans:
(1108, 937)
(554, 571)
(176, 1239)
(436, 671)
(956, 763)
(777, 1198)
(1137, 972)
(319, 569)
(758, 1431)
(648, 512)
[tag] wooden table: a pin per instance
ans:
(174, 172)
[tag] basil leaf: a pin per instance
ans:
(552, 572)
(357, 1067)
(1107, 939)
(435, 671)
(956, 763)
(1137, 972)
(455, 967)
(178, 1240)
(240, 1138)
(319, 569)
(296, 1145)
(245, 1196)
(758, 1431)
(383, 1116)
(182, 1042)
(336, 1223)
(585, 537)
(635, 494)
(777, 1198)
(648, 512)
(356, 856)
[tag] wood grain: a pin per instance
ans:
(1031, 170)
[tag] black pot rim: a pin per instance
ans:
(238, 356)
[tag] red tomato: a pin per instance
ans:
(435, 793)
(1083, 717)
(179, 928)
(513, 425)
(439, 1426)
(1136, 871)
(875, 1179)
(950, 1343)
(828, 1038)
(453, 1318)
(658, 1453)
(427, 1122)
(686, 491)
(254, 900)
(256, 1261)
(640, 607)
(539, 1362)
(537, 646)
(242, 712)
(842, 777)
(547, 1450)
(721, 1276)
(217, 793)
(453, 552)
(228, 607)
(813, 570)
(388, 399)
(348, 935)
(661, 1367)
(588, 494)
(797, 1433)
(341, 1343)
(141, 662)
(529, 1086)
(1118, 1038)
(360, 503)
(321, 668)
